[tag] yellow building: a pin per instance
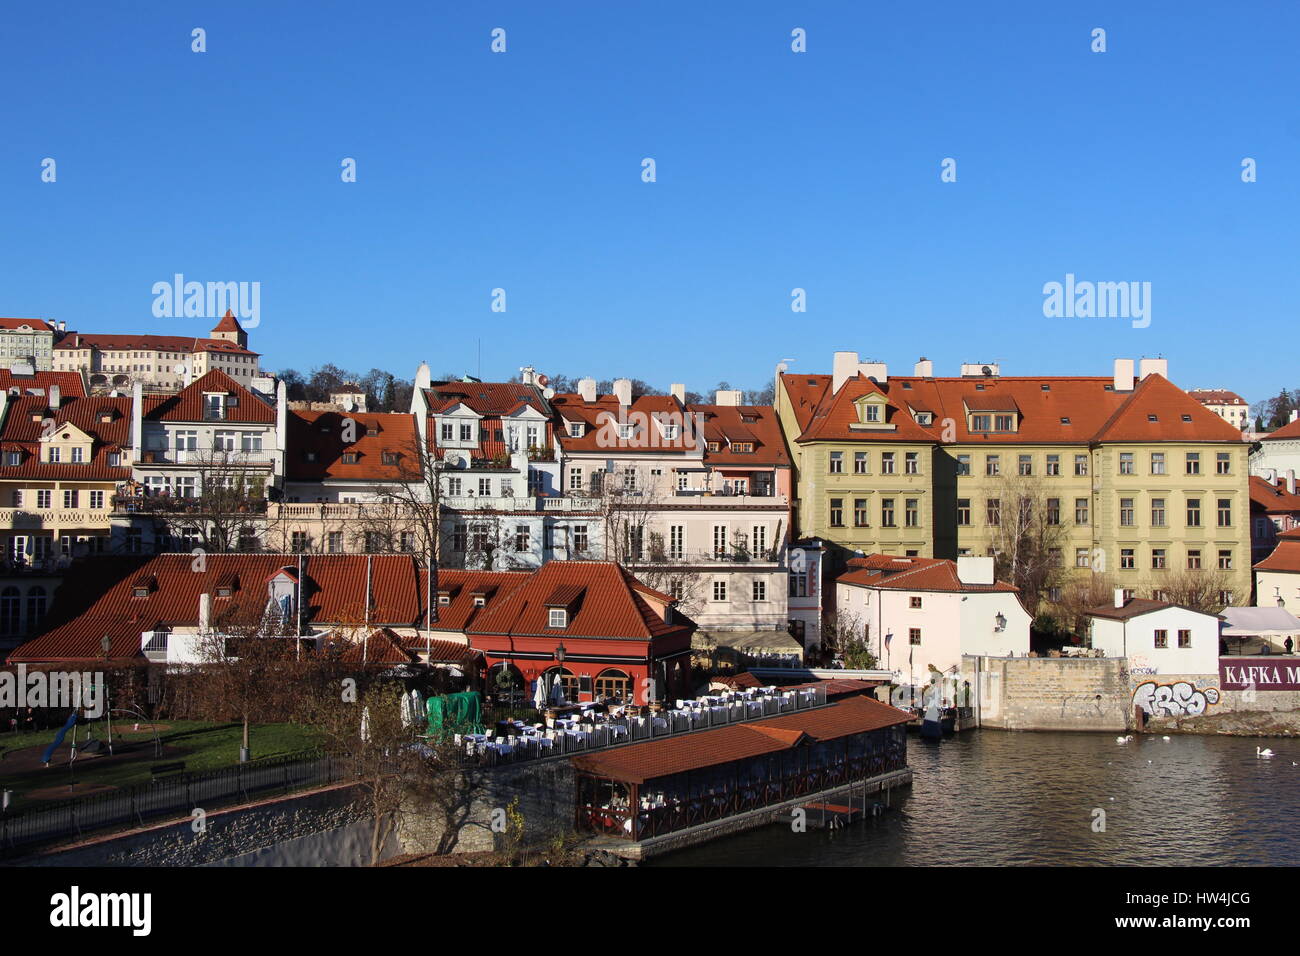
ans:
(1127, 474)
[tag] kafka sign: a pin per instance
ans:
(1238, 674)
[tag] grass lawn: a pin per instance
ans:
(201, 745)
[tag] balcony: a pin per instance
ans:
(556, 503)
(165, 504)
(337, 509)
(22, 519)
(734, 557)
(220, 458)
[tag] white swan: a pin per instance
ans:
(1265, 753)
(1121, 740)
(1165, 738)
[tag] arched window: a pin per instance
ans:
(10, 611)
(35, 608)
(567, 679)
(506, 683)
(613, 684)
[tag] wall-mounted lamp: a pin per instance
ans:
(1000, 622)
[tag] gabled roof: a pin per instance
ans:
(70, 383)
(1272, 498)
(123, 341)
(1216, 396)
(228, 323)
(1136, 607)
(462, 586)
(1285, 556)
(1290, 430)
(321, 433)
(485, 398)
(913, 574)
(602, 417)
(23, 426)
(187, 404)
(380, 647)
(36, 325)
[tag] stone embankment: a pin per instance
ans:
(1238, 724)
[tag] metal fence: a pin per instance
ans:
(168, 796)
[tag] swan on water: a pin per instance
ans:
(1264, 753)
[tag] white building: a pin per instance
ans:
(1157, 637)
(921, 615)
(1229, 406)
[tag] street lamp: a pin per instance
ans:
(1000, 621)
(559, 666)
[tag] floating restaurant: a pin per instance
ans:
(744, 775)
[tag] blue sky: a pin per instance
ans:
(775, 170)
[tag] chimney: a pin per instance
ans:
(1153, 366)
(623, 391)
(137, 421)
(727, 397)
(1119, 597)
(678, 391)
(1123, 375)
(924, 368)
(843, 367)
(55, 395)
(528, 375)
(876, 371)
(587, 389)
(1295, 413)
(973, 570)
(1290, 481)
(205, 611)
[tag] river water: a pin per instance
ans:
(996, 798)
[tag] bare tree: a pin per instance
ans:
(1197, 588)
(1028, 536)
(845, 635)
(228, 511)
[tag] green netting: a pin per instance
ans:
(455, 714)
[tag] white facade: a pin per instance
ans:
(1170, 640)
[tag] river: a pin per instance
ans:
(996, 798)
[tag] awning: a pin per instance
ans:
(1259, 622)
(748, 642)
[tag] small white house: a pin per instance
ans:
(923, 614)
(1157, 637)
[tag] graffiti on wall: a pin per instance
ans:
(1180, 699)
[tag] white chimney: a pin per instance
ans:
(587, 389)
(924, 368)
(1290, 481)
(975, 570)
(977, 369)
(1123, 375)
(1295, 413)
(623, 391)
(843, 367)
(1153, 366)
(137, 420)
(727, 397)
(877, 371)
(55, 396)
(1119, 597)
(528, 375)
(205, 611)
(678, 391)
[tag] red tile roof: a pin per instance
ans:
(1133, 607)
(1216, 396)
(1287, 431)
(187, 404)
(228, 323)
(637, 763)
(461, 612)
(113, 342)
(36, 325)
(322, 432)
(486, 398)
(381, 647)
(23, 425)
(1286, 556)
(70, 383)
(1272, 498)
(912, 574)
(613, 605)
(1095, 412)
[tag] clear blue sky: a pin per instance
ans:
(775, 170)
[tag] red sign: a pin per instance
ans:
(1258, 673)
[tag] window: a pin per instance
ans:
(963, 464)
(720, 536)
(580, 540)
(676, 540)
(1162, 638)
(914, 603)
(798, 584)
(1004, 423)
(1081, 558)
(1223, 463)
(1225, 598)
(837, 512)
(911, 463)
(1157, 512)
(760, 591)
(466, 432)
(43, 498)
(1225, 512)
(873, 412)
(1054, 465)
(887, 463)
(299, 541)
(1053, 511)
(535, 481)
(1080, 465)
(453, 486)
(78, 455)
(1126, 559)
(1158, 559)
(914, 635)
(335, 542)
(97, 500)
(1126, 463)
(1225, 559)
(719, 590)
(1184, 638)
(69, 498)
(1126, 512)
(13, 458)
(224, 441)
(1055, 558)
(1157, 463)
(860, 518)
(1194, 559)
(448, 432)
(55, 455)
(1193, 512)
(859, 462)
(350, 457)
(836, 462)
(575, 429)
(1025, 465)
(557, 617)
(522, 542)
(17, 499)
(1193, 463)
(575, 479)
(406, 541)
(993, 512)
(613, 685)
(911, 512)
(992, 465)
(1081, 511)
(963, 511)
(887, 512)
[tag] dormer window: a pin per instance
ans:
(712, 446)
(981, 423)
(671, 432)
(558, 617)
(214, 406)
(479, 600)
(444, 599)
(626, 430)
(1004, 423)
(743, 447)
(575, 429)
(225, 591)
(390, 458)
(350, 457)
(924, 418)
(140, 592)
(872, 413)
(372, 430)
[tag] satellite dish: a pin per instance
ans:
(548, 393)
(178, 369)
(454, 458)
(986, 370)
